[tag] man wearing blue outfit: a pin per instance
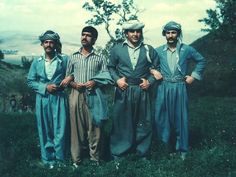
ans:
(171, 109)
(129, 66)
(46, 78)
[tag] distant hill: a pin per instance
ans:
(220, 73)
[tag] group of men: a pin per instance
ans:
(134, 68)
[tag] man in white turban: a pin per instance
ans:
(129, 66)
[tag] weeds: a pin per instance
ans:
(212, 148)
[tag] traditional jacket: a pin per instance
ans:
(121, 66)
(185, 54)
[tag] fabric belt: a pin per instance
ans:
(133, 81)
(174, 79)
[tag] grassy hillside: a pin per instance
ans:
(220, 73)
(212, 128)
(13, 82)
(212, 148)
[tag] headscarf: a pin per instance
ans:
(91, 30)
(49, 35)
(172, 25)
(132, 25)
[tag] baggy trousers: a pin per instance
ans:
(132, 124)
(171, 113)
(51, 114)
(82, 128)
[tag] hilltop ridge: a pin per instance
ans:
(220, 71)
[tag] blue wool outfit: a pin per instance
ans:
(171, 107)
(51, 109)
(132, 120)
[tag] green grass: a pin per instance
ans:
(212, 148)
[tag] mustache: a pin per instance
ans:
(48, 47)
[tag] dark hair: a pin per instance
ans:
(91, 30)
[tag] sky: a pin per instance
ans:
(22, 21)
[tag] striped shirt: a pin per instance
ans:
(83, 68)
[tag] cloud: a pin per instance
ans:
(186, 12)
(41, 14)
(67, 17)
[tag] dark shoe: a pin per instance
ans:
(60, 164)
(95, 163)
(144, 159)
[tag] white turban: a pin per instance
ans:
(132, 25)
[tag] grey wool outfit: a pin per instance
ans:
(132, 120)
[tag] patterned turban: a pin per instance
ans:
(172, 26)
(49, 35)
(132, 25)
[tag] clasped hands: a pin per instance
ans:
(89, 85)
(122, 84)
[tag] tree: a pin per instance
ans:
(222, 20)
(26, 62)
(110, 14)
(1, 55)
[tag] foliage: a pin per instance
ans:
(1, 55)
(108, 13)
(219, 75)
(212, 148)
(26, 62)
(13, 81)
(223, 19)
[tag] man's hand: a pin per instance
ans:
(90, 84)
(156, 74)
(76, 86)
(66, 81)
(51, 88)
(122, 84)
(189, 79)
(145, 84)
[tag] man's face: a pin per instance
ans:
(134, 36)
(87, 39)
(49, 46)
(171, 36)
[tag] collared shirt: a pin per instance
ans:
(50, 66)
(172, 58)
(83, 68)
(133, 52)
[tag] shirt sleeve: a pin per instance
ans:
(112, 65)
(33, 82)
(70, 67)
(155, 63)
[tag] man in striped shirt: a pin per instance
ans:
(84, 65)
